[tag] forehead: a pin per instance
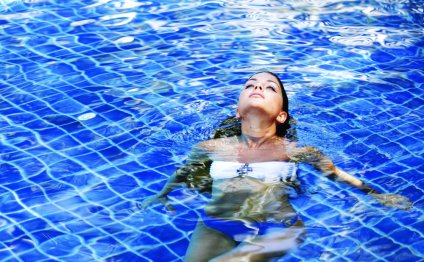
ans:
(264, 77)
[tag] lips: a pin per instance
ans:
(254, 94)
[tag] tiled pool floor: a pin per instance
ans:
(100, 102)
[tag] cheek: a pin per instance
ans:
(242, 98)
(277, 101)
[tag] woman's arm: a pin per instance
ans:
(194, 173)
(322, 163)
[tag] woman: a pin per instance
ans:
(249, 217)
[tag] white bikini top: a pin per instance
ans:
(266, 171)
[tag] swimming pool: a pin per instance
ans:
(100, 101)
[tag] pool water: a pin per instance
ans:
(101, 101)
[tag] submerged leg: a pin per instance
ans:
(276, 243)
(207, 243)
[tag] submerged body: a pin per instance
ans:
(249, 216)
(249, 212)
(247, 190)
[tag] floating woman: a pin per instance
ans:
(249, 216)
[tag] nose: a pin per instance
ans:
(258, 86)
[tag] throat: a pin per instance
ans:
(253, 142)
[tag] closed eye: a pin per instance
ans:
(272, 88)
(248, 86)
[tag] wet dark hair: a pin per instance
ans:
(232, 126)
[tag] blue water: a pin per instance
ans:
(100, 101)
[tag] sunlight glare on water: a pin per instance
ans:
(101, 101)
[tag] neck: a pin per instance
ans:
(256, 132)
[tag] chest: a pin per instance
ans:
(241, 154)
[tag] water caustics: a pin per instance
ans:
(101, 101)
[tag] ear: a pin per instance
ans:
(282, 117)
(237, 113)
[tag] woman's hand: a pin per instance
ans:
(393, 200)
(155, 200)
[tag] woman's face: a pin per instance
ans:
(262, 94)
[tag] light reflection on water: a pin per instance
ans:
(140, 82)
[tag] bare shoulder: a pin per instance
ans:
(299, 153)
(217, 144)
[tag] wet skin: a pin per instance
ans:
(230, 196)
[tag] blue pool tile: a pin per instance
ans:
(309, 251)
(34, 224)
(161, 252)
(419, 247)
(85, 136)
(68, 107)
(365, 235)
(123, 184)
(130, 143)
(15, 30)
(411, 217)
(21, 244)
(100, 192)
(64, 168)
(391, 148)
(382, 245)
(95, 122)
(45, 235)
(33, 255)
(413, 162)
(411, 192)
(357, 149)
(114, 228)
(131, 167)
(93, 159)
(374, 158)
(9, 203)
(414, 64)
(376, 140)
(411, 143)
(127, 256)
(111, 152)
(405, 236)
(179, 247)
(415, 104)
(11, 232)
(61, 245)
(97, 145)
(84, 254)
(20, 216)
(61, 217)
(106, 246)
(391, 183)
(111, 201)
(51, 133)
(416, 76)
(408, 128)
(79, 225)
(392, 168)
(9, 173)
(63, 142)
(403, 255)
(16, 116)
(362, 255)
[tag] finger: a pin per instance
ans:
(169, 208)
(404, 204)
(146, 203)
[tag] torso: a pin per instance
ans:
(257, 194)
